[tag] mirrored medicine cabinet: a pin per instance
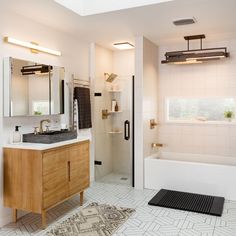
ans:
(32, 89)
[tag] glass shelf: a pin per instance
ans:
(113, 112)
(114, 91)
(115, 132)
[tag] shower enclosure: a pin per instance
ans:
(114, 134)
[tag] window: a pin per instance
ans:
(199, 109)
(40, 107)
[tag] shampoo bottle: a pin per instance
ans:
(16, 137)
(116, 107)
(113, 105)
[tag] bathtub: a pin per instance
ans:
(204, 174)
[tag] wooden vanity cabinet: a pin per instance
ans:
(37, 180)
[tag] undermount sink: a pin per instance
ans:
(52, 136)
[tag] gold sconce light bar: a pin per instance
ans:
(32, 46)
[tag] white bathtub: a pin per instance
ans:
(204, 174)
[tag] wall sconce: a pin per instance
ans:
(34, 47)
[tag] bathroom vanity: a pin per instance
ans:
(38, 177)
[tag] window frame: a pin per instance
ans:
(166, 111)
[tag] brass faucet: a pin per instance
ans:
(157, 145)
(41, 125)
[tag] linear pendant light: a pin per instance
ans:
(31, 46)
(197, 55)
(38, 69)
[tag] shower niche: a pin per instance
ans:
(116, 110)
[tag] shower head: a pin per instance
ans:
(110, 77)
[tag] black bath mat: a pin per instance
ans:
(189, 202)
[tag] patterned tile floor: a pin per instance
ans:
(147, 221)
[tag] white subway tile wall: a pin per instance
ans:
(211, 79)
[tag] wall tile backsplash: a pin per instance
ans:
(211, 79)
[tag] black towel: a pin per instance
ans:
(82, 95)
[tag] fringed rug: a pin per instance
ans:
(93, 220)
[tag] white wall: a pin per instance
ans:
(74, 58)
(146, 102)
(150, 95)
(211, 79)
(138, 121)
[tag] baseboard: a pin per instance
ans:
(91, 178)
(5, 220)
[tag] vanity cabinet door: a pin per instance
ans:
(79, 168)
(55, 176)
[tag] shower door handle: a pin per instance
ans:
(127, 130)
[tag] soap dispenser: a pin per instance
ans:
(16, 137)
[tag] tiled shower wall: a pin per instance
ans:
(103, 142)
(211, 79)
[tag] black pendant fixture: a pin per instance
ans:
(196, 55)
(36, 69)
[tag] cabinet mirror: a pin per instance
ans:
(32, 89)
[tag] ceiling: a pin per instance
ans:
(215, 18)
(92, 7)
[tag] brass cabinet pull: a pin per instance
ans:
(68, 170)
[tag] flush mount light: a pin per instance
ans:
(184, 21)
(123, 46)
(197, 55)
(33, 46)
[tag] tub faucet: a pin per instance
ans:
(153, 123)
(157, 145)
(41, 125)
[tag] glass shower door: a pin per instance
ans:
(114, 154)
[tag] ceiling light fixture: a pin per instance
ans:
(184, 21)
(33, 46)
(123, 46)
(36, 69)
(197, 55)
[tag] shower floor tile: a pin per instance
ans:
(116, 178)
(146, 221)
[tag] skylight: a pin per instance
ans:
(92, 7)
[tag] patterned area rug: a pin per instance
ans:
(93, 220)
